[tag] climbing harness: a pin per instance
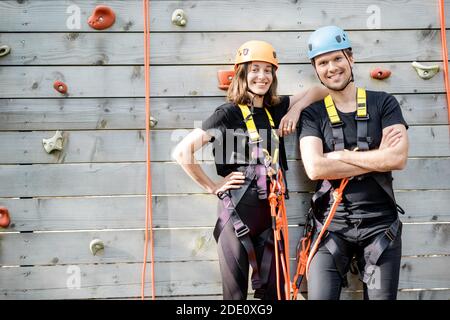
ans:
(267, 168)
(276, 200)
(148, 192)
(305, 253)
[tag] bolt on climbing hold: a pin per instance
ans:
(103, 17)
(153, 122)
(60, 86)
(4, 218)
(53, 143)
(225, 78)
(380, 74)
(96, 246)
(425, 72)
(179, 18)
(4, 50)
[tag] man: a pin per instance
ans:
(360, 135)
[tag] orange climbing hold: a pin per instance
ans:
(380, 74)
(60, 86)
(103, 17)
(4, 218)
(225, 77)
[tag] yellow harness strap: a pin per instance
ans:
(253, 131)
(361, 110)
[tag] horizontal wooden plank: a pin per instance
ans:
(166, 81)
(109, 280)
(129, 113)
(51, 248)
(176, 279)
(128, 146)
(189, 48)
(168, 178)
(94, 213)
(234, 16)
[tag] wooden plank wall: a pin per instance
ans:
(95, 187)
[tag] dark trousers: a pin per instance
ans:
(233, 258)
(325, 279)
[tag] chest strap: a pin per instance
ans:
(255, 138)
(361, 117)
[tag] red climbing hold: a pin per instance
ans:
(225, 77)
(103, 17)
(60, 86)
(380, 74)
(4, 217)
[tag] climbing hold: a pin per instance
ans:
(179, 18)
(425, 72)
(4, 218)
(153, 122)
(4, 50)
(103, 17)
(96, 246)
(53, 143)
(225, 77)
(380, 74)
(60, 86)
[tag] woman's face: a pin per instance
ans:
(259, 77)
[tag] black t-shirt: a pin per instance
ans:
(226, 126)
(366, 195)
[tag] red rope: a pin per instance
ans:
(444, 54)
(148, 192)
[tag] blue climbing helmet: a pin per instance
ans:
(327, 39)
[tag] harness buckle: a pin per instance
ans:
(390, 235)
(359, 118)
(222, 195)
(242, 230)
(337, 124)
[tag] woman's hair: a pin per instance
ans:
(238, 90)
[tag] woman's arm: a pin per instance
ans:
(184, 155)
(297, 103)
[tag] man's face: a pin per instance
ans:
(333, 69)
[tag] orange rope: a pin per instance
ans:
(337, 199)
(278, 214)
(148, 191)
(444, 54)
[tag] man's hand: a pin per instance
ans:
(390, 139)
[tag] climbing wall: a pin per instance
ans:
(61, 74)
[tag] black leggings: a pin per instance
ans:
(233, 259)
(325, 281)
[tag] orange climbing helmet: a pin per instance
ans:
(256, 50)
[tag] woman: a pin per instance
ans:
(252, 90)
